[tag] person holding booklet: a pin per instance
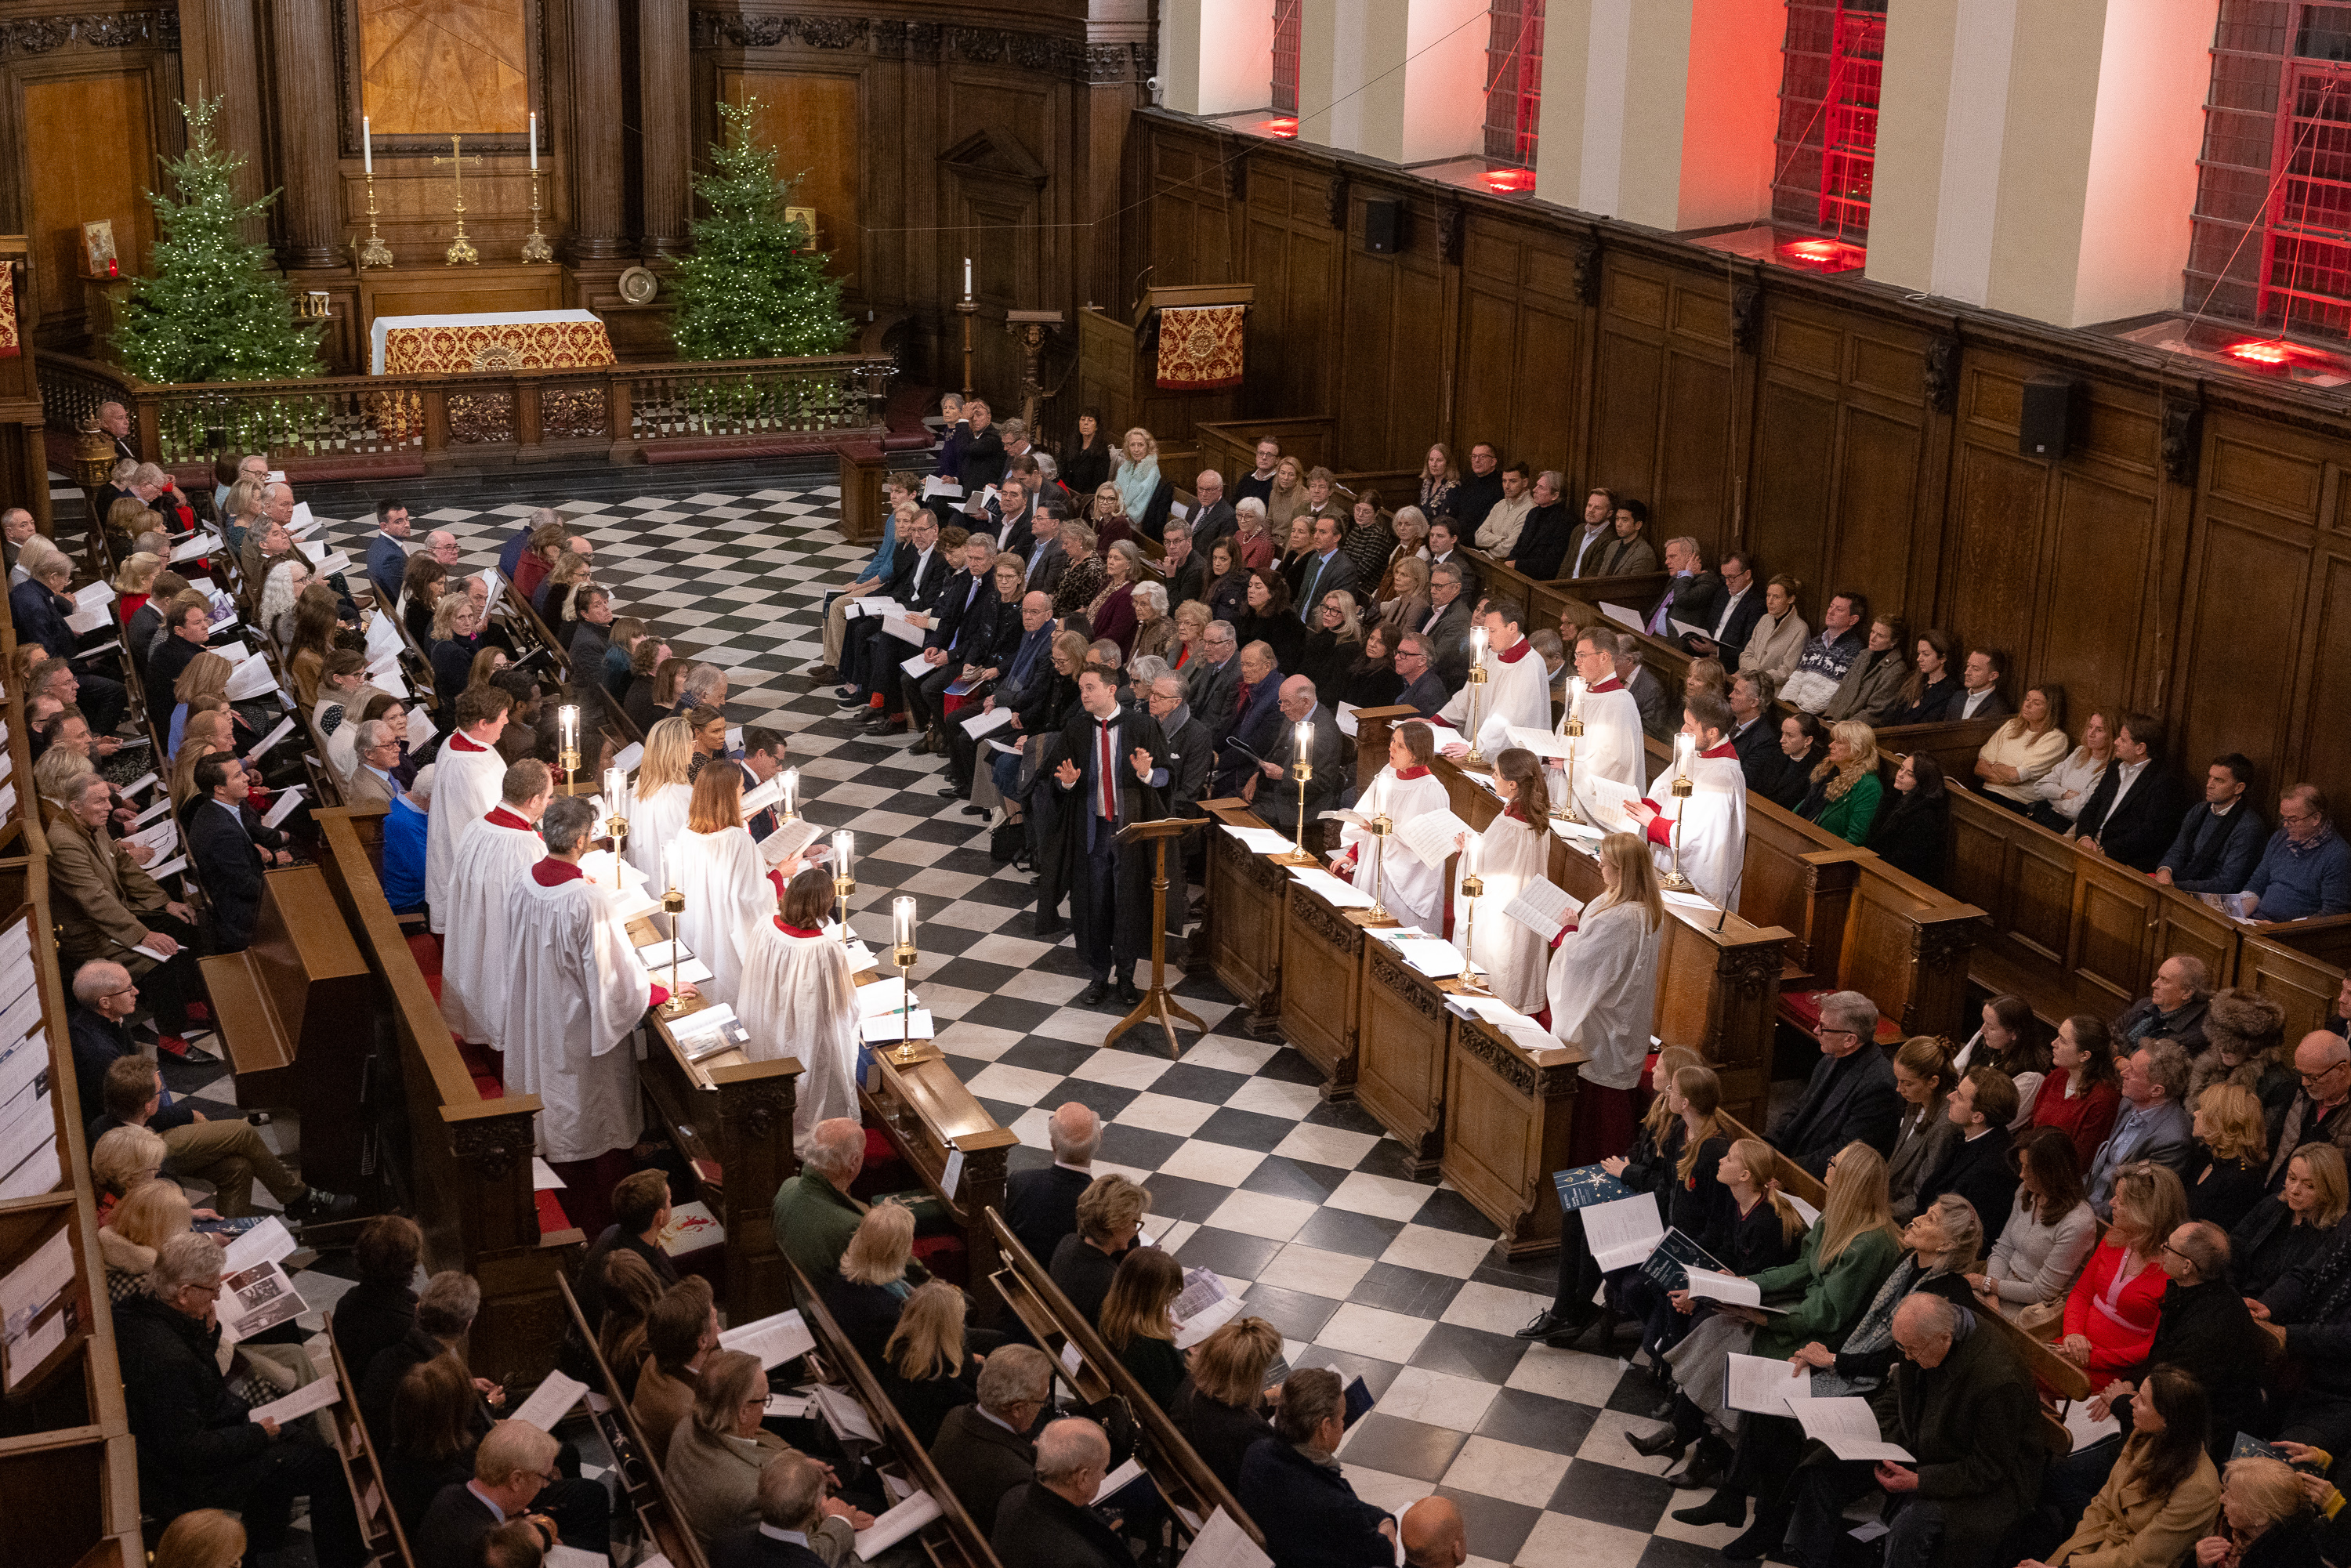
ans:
(661, 800)
(1512, 854)
(1135, 1323)
(1760, 1227)
(797, 997)
(1603, 990)
(1408, 886)
(719, 870)
(1706, 834)
(492, 853)
(1694, 1200)
(1610, 761)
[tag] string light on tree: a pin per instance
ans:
(756, 286)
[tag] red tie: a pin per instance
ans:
(1108, 784)
(1241, 696)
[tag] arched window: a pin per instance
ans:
(1830, 71)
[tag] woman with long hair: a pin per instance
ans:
(1106, 515)
(1371, 678)
(630, 1288)
(1696, 1202)
(2083, 1094)
(433, 1436)
(2009, 1038)
(728, 887)
(1931, 687)
(1085, 462)
(924, 1368)
(2231, 1166)
(206, 677)
(2110, 1314)
(2062, 792)
(712, 1469)
(1268, 619)
(1297, 552)
(1510, 853)
(1411, 527)
(1915, 836)
(1439, 477)
(1220, 1409)
(1137, 474)
(2162, 1495)
(1287, 499)
(797, 997)
(870, 1289)
(2009, 765)
(454, 647)
(659, 802)
(2287, 1229)
(1844, 792)
(1110, 613)
(1332, 642)
(1409, 608)
(315, 624)
(1406, 886)
(1229, 582)
(2049, 1233)
(1757, 1229)
(1923, 1078)
(422, 584)
(1603, 990)
(284, 585)
(1136, 1323)
(204, 1537)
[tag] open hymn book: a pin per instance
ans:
(1846, 1427)
(1431, 836)
(1543, 907)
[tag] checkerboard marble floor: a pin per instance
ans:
(1301, 1205)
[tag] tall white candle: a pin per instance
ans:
(966, 278)
(844, 854)
(367, 144)
(791, 791)
(534, 143)
(901, 921)
(1685, 747)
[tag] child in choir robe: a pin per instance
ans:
(1604, 995)
(1513, 850)
(1409, 889)
(797, 998)
(659, 803)
(467, 780)
(728, 889)
(1711, 843)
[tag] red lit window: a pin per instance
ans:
(1285, 55)
(1830, 71)
(1513, 80)
(2272, 222)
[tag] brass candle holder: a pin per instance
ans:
(1674, 879)
(375, 253)
(1473, 888)
(1565, 812)
(902, 953)
(1297, 854)
(674, 905)
(1382, 828)
(1475, 757)
(535, 248)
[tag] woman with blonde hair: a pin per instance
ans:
(1694, 1198)
(1110, 613)
(924, 1368)
(2060, 794)
(206, 677)
(660, 799)
(1603, 990)
(797, 997)
(1109, 1218)
(1439, 477)
(560, 595)
(1846, 1256)
(1409, 607)
(2011, 764)
(133, 580)
(2290, 1226)
(204, 1537)
(1136, 1323)
(1845, 792)
(1106, 515)
(1332, 642)
(207, 732)
(151, 1214)
(1221, 1410)
(1137, 474)
(2110, 1316)
(121, 1159)
(729, 889)
(2232, 1160)
(456, 641)
(2267, 1520)
(1287, 497)
(1191, 618)
(1512, 850)
(867, 1292)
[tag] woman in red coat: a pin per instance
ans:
(2082, 1097)
(2111, 1313)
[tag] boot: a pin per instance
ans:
(1762, 1538)
(1667, 1445)
(1707, 1462)
(1728, 1506)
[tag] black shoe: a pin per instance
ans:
(1668, 1444)
(887, 725)
(317, 1205)
(1550, 1322)
(1726, 1506)
(952, 787)
(1707, 1462)
(1762, 1540)
(1094, 996)
(977, 811)
(1127, 995)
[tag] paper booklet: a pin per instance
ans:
(905, 630)
(788, 838)
(1676, 1255)
(1541, 742)
(916, 667)
(1584, 1185)
(1430, 836)
(934, 485)
(310, 1396)
(1765, 1386)
(250, 679)
(901, 1522)
(884, 1030)
(1437, 961)
(774, 1340)
(264, 1243)
(551, 1402)
(1331, 891)
(1223, 1543)
(285, 728)
(1607, 798)
(1543, 907)
(759, 797)
(1345, 714)
(843, 1414)
(1623, 1233)
(256, 1298)
(1848, 1426)
(1202, 1307)
(1731, 1289)
(989, 723)
(1687, 630)
(1622, 617)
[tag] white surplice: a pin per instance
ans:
(726, 893)
(575, 993)
(491, 857)
(653, 823)
(1517, 692)
(1412, 892)
(798, 998)
(1603, 989)
(1713, 826)
(1510, 854)
(465, 785)
(1610, 748)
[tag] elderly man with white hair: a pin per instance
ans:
(1049, 1523)
(1850, 1097)
(983, 1450)
(813, 1215)
(1041, 1204)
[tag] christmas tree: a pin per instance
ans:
(213, 310)
(754, 288)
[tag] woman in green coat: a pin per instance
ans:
(1845, 792)
(1846, 1256)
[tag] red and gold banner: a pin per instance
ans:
(1200, 347)
(496, 346)
(9, 342)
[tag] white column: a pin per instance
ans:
(1399, 79)
(1216, 56)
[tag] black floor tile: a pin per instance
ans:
(1297, 1315)
(1609, 1494)
(1469, 1353)
(1408, 1290)
(1229, 1252)
(1359, 1235)
(1400, 1448)
(1537, 1421)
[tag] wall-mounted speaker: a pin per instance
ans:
(1383, 227)
(2049, 418)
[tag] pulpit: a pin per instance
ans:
(1120, 361)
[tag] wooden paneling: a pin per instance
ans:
(813, 121)
(99, 134)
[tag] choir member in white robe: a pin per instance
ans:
(798, 998)
(1713, 820)
(1408, 888)
(575, 993)
(660, 800)
(1513, 850)
(466, 783)
(1611, 745)
(1517, 689)
(1603, 989)
(729, 890)
(492, 853)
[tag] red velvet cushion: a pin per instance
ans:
(425, 948)
(551, 1217)
(945, 1257)
(1802, 1009)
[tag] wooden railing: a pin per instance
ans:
(407, 422)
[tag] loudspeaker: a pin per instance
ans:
(1383, 227)
(2046, 423)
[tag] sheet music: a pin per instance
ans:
(760, 797)
(1541, 742)
(1630, 618)
(1608, 799)
(629, 756)
(1331, 891)
(1623, 1232)
(1348, 725)
(264, 1243)
(1259, 841)
(989, 723)
(894, 1526)
(885, 1029)
(904, 629)
(916, 667)
(249, 680)
(551, 1401)
(285, 728)
(791, 839)
(1543, 907)
(1848, 1426)
(1437, 961)
(2086, 1430)
(1222, 1544)
(774, 1340)
(1729, 1288)
(284, 808)
(1430, 836)
(1811, 1216)
(1766, 1386)
(844, 1414)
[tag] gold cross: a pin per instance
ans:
(460, 249)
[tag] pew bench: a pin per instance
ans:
(923, 1111)
(362, 1467)
(644, 1493)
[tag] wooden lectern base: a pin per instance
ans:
(1157, 1002)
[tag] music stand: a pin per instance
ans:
(1156, 1002)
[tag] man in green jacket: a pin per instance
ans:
(813, 1214)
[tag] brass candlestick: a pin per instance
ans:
(616, 827)
(1573, 730)
(1475, 757)
(461, 249)
(967, 309)
(1473, 888)
(375, 253)
(1297, 854)
(674, 905)
(842, 886)
(1674, 879)
(535, 248)
(903, 955)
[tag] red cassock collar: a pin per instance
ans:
(794, 930)
(1519, 649)
(1725, 751)
(503, 818)
(461, 741)
(1611, 685)
(553, 873)
(1415, 771)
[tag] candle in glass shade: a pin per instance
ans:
(1469, 856)
(567, 725)
(367, 144)
(669, 866)
(1575, 696)
(966, 278)
(616, 787)
(1305, 740)
(791, 791)
(901, 921)
(844, 854)
(1478, 645)
(534, 143)
(1685, 747)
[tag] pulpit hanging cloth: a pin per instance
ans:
(9, 340)
(1200, 347)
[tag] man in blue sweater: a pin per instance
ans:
(2307, 868)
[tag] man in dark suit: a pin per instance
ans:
(387, 557)
(1479, 491)
(228, 861)
(2134, 811)
(959, 639)
(1543, 537)
(764, 751)
(1043, 560)
(640, 1209)
(1041, 1204)
(1851, 1095)
(1327, 569)
(1755, 733)
(1694, 595)
(1252, 733)
(100, 1026)
(1180, 566)
(1657, 710)
(1448, 623)
(985, 1451)
(1212, 518)
(1025, 677)
(510, 1469)
(1211, 679)
(1740, 607)
(1113, 772)
(1190, 750)
(1425, 691)
(1445, 549)
(1276, 779)
(919, 572)
(1979, 1167)
(1013, 514)
(792, 1517)
(1979, 680)
(185, 637)
(1049, 1523)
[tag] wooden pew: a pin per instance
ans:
(466, 1160)
(1183, 1480)
(2305, 986)
(1321, 990)
(379, 1524)
(1239, 942)
(951, 1541)
(1509, 1112)
(924, 1109)
(642, 1489)
(285, 1006)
